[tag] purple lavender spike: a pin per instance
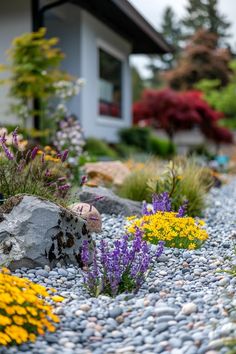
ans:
(34, 152)
(64, 155)
(3, 139)
(160, 248)
(7, 152)
(15, 137)
(182, 210)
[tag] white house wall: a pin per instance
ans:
(80, 34)
(15, 19)
(64, 22)
(92, 33)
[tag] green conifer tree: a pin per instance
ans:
(205, 14)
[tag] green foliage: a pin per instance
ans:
(99, 148)
(144, 140)
(135, 136)
(126, 151)
(35, 77)
(161, 147)
(222, 99)
(201, 150)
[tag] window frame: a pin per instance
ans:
(109, 49)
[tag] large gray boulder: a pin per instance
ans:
(109, 203)
(36, 232)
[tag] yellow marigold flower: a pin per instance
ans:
(20, 310)
(18, 320)
(4, 339)
(32, 337)
(6, 298)
(191, 246)
(4, 320)
(24, 310)
(57, 298)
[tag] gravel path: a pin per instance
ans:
(183, 308)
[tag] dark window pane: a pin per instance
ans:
(110, 72)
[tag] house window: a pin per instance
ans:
(110, 85)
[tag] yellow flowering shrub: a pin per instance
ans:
(24, 310)
(179, 232)
(49, 154)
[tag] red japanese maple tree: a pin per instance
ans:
(173, 111)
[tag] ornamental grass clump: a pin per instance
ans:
(118, 269)
(32, 172)
(24, 310)
(160, 223)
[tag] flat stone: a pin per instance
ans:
(106, 202)
(162, 311)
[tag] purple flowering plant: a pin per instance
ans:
(27, 172)
(162, 202)
(119, 268)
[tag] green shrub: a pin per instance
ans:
(201, 150)
(161, 147)
(136, 136)
(98, 148)
(144, 140)
(222, 98)
(125, 151)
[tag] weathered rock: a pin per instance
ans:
(90, 214)
(34, 232)
(105, 201)
(106, 172)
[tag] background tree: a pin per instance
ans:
(173, 111)
(171, 30)
(205, 14)
(222, 99)
(201, 59)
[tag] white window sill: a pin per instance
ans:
(110, 121)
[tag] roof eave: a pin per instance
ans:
(143, 37)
